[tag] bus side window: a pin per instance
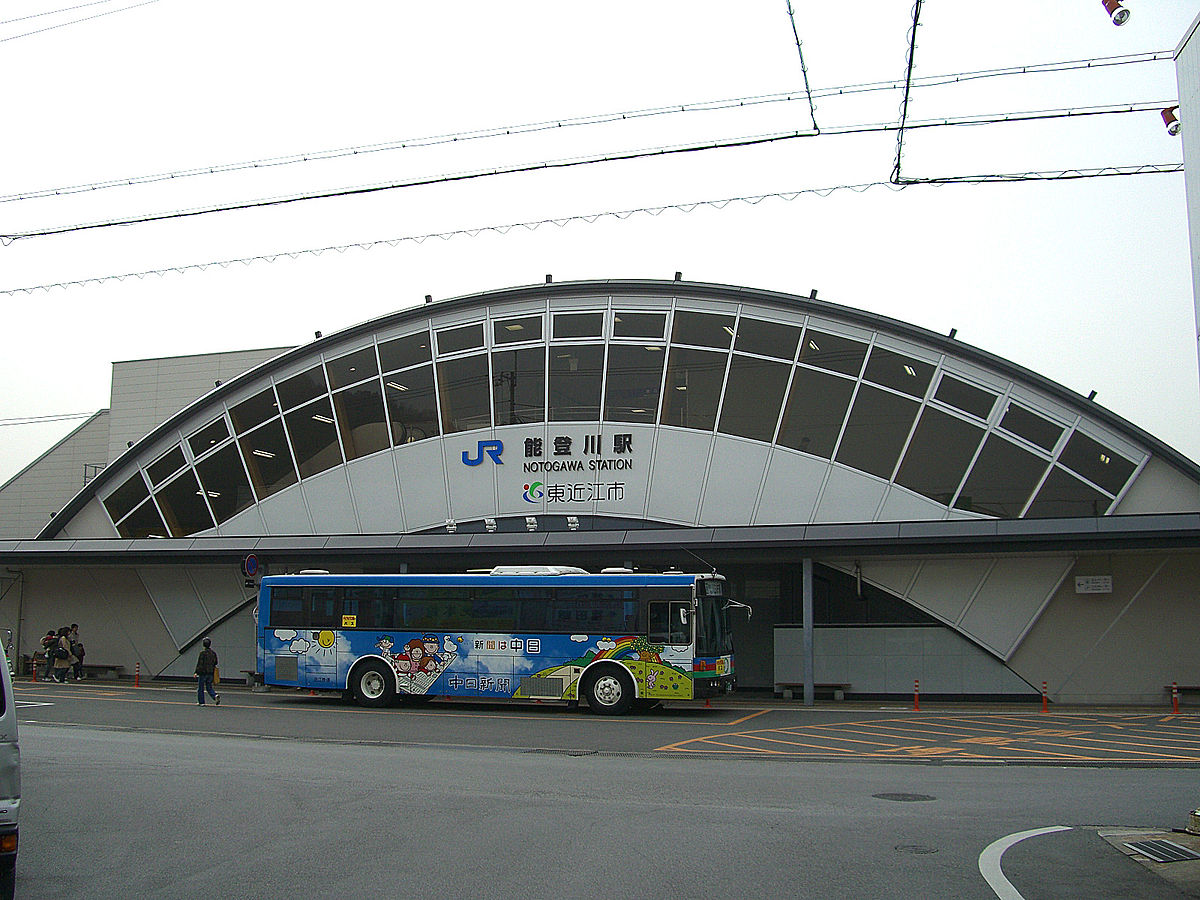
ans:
(324, 607)
(669, 623)
(287, 607)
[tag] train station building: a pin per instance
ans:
(968, 524)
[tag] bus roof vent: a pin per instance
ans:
(539, 570)
(314, 571)
(616, 570)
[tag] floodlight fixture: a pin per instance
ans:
(531, 523)
(1171, 120)
(1118, 13)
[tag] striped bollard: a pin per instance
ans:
(917, 695)
(1044, 697)
(137, 674)
(1175, 697)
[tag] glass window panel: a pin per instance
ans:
(1097, 463)
(876, 431)
(268, 459)
(410, 350)
(639, 325)
(412, 406)
(829, 351)
(899, 372)
(816, 408)
(693, 387)
(938, 455)
(526, 328)
(301, 388)
(767, 338)
(519, 385)
(753, 397)
(966, 397)
(166, 466)
(314, 437)
(352, 368)
(182, 504)
(208, 437)
(225, 483)
(634, 383)
(1029, 425)
(1065, 495)
(465, 337)
(132, 492)
(360, 418)
(253, 412)
(703, 329)
(1002, 479)
(578, 325)
(576, 375)
(287, 607)
(463, 389)
(143, 522)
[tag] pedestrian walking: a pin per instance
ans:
(63, 659)
(49, 645)
(206, 667)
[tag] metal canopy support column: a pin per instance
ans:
(808, 631)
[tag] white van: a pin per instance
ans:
(10, 782)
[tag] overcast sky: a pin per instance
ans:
(1087, 282)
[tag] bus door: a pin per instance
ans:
(670, 624)
(319, 664)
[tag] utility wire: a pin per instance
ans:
(591, 218)
(596, 119)
(912, 50)
(742, 142)
(77, 21)
(812, 110)
(54, 12)
(41, 420)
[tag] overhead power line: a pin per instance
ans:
(812, 109)
(42, 420)
(581, 121)
(591, 218)
(75, 21)
(548, 165)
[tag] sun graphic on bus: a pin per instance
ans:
(325, 640)
(533, 492)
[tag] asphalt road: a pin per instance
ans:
(141, 792)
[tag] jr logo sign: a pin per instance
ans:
(491, 448)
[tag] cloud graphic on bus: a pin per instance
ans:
(606, 644)
(300, 645)
(579, 638)
(284, 634)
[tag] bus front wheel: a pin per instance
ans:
(374, 685)
(609, 692)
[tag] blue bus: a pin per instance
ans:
(617, 640)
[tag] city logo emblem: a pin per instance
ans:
(533, 492)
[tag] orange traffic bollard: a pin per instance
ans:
(917, 695)
(1043, 696)
(1175, 697)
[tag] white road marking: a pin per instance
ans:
(989, 861)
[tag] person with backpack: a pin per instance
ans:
(63, 659)
(49, 644)
(206, 667)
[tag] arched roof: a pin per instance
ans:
(672, 403)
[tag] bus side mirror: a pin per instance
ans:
(683, 616)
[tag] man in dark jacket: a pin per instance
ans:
(206, 665)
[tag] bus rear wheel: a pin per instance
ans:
(609, 692)
(374, 685)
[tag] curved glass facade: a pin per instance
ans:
(898, 410)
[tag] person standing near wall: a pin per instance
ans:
(206, 665)
(63, 659)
